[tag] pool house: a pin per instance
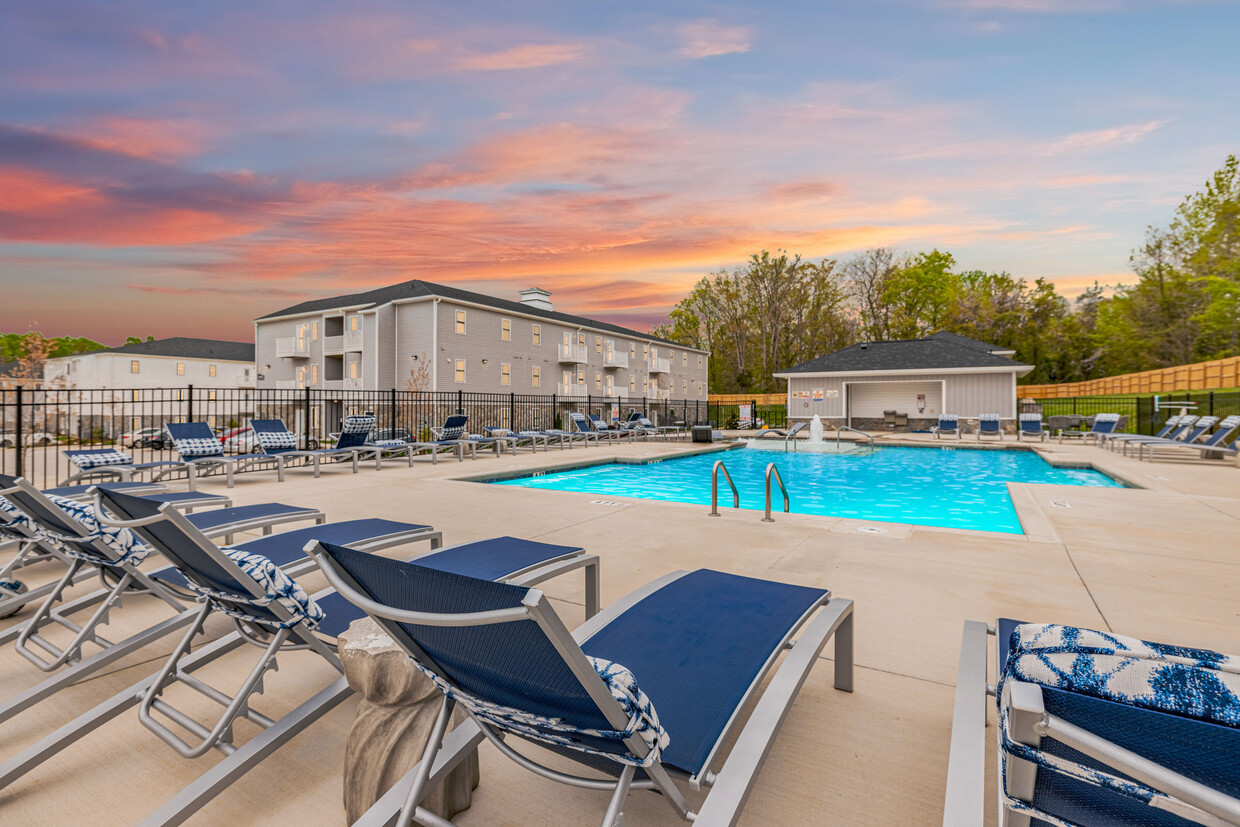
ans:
(916, 379)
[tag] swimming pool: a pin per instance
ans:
(949, 487)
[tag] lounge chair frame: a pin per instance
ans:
(965, 802)
(732, 784)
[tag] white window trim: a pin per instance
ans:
(505, 373)
(505, 335)
(460, 319)
(536, 334)
(536, 376)
(459, 369)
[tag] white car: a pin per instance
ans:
(140, 436)
(243, 441)
(36, 438)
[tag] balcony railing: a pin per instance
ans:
(286, 384)
(353, 340)
(660, 366)
(616, 359)
(292, 347)
(575, 354)
(571, 390)
(333, 344)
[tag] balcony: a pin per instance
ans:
(292, 347)
(660, 366)
(616, 359)
(353, 340)
(286, 384)
(574, 354)
(571, 390)
(333, 344)
(616, 393)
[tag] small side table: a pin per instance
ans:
(394, 721)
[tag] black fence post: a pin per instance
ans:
(512, 411)
(393, 414)
(305, 419)
(460, 402)
(189, 403)
(1211, 403)
(19, 445)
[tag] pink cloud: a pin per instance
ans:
(523, 56)
(710, 38)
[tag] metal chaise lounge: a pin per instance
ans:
(1030, 427)
(1094, 729)
(1213, 446)
(1173, 428)
(581, 425)
(277, 441)
(516, 441)
(602, 425)
(988, 424)
(452, 434)
(643, 426)
(1104, 423)
(115, 555)
(656, 683)
(201, 452)
(384, 448)
(1190, 429)
(109, 464)
(948, 424)
(270, 611)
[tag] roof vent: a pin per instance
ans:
(535, 297)
(864, 345)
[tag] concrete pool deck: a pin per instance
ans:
(1160, 562)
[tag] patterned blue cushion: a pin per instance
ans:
(14, 516)
(276, 441)
(122, 541)
(388, 443)
(277, 587)
(357, 424)
(1107, 417)
(197, 448)
(643, 720)
(1193, 683)
(452, 433)
(98, 459)
(989, 417)
(1031, 417)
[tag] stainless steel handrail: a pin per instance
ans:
(792, 432)
(772, 470)
(714, 488)
(855, 431)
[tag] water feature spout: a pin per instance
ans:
(815, 429)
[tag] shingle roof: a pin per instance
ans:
(956, 338)
(419, 289)
(913, 354)
(188, 349)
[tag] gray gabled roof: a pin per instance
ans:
(419, 289)
(931, 353)
(957, 339)
(187, 348)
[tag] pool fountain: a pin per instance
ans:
(816, 444)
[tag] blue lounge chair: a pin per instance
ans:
(202, 452)
(642, 425)
(1213, 446)
(948, 424)
(453, 434)
(655, 683)
(1095, 729)
(1171, 429)
(118, 558)
(21, 535)
(516, 441)
(1189, 429)
(1031, 428)
(273, 612)
(988, 424)
(581, 425)
(602, 425)
(277, 441)
(108, 463)
(1104, 423)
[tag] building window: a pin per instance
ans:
(314, 374)
(581, 340)
(581, 377)
(353, 370)
(598, 381)
(133, 366)
(654, 353)
(568, 378)
(699, 388)
(568, 339)
(538, 334)
(632, 383)
(536, 376)
(632, 350)
(210, 396)
(180, 395)
(505, 374)
(314, 331)
(210, 422)
(353, 323)
(211, 371)
(180, 368)
(460, 367)
(684, 360)
(611, 383)
(598, 344)
(534, 418)
(699, 360)
(684, 387)
(645, 384)
(503, 418)
(460, 322)
(505, 330)
(301, 377)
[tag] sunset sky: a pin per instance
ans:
(181, 168)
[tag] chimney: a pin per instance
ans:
(535, 297)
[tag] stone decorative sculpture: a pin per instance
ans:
(398, 709)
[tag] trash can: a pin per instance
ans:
(703, 433)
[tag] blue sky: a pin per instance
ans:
(178, 169)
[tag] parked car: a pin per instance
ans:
(155, 438)
(393, 433)
(243, 441)
(141, 435)
(36, 438)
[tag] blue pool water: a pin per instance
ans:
(955, 488)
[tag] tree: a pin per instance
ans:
(867, 275)
(419, 375)
(919, 294)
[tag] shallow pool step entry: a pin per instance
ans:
(802, 446)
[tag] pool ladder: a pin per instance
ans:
(771, 471)
(855, 431)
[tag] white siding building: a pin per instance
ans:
(943, 373)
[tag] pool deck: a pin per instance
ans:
(1160, 562)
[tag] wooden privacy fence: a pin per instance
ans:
(1202, 376)
(747, 398)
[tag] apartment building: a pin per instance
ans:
(421, 336)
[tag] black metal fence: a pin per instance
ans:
(37, 424)
(1144, 416)
(729, 415)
